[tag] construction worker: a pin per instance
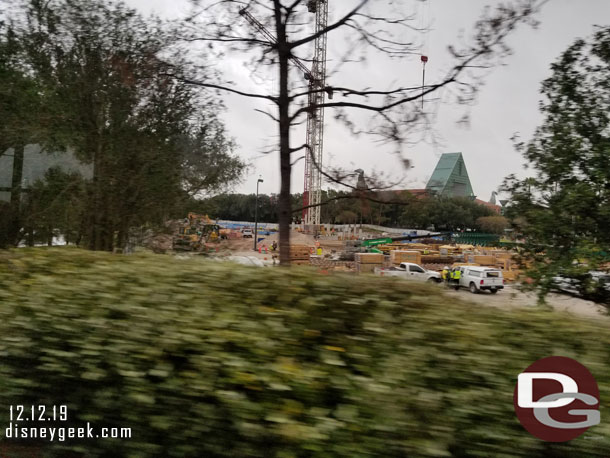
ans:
(457, 274)
(445, 274)
(450, 275)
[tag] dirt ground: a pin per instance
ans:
(511, 297)
(245, 247)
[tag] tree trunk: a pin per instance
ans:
(285, 200)
(101, 227)
(94, 203)
(15, 204)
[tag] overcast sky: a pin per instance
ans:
(507, 104)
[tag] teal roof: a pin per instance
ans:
(450, 177)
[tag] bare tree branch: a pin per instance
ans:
(330, 28)
(223, 88)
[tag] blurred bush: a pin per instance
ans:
(205, 359)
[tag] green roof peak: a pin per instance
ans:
(450, 177)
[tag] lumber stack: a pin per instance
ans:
(398, 256)
(299, 254)
(460, 264)
(330, 264)
(432, 259)
(501, 254)
(511, 275)
(484, 260)
(367, 262)
(369, 258)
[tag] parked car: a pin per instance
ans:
(247, 233)
(410, 271)
(573, 286)
(477, 279)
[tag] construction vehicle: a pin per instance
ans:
(480, 278)
(225, 233)
(372, 245)
(194, 232)
(197, 219)
(187, 238)
(410, 271)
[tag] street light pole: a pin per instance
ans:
(260, 180)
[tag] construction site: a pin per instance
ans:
(366, 251)
(304, 228)
(357, 248)
(351, 249)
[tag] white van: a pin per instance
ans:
(477, 278)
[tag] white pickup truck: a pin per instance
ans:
(478, 279)
(410, 271)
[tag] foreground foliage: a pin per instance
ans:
(210, 359)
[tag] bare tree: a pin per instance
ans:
(368, 26)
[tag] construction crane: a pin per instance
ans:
(263, 30)
(312, 193)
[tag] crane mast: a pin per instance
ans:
(312, 194)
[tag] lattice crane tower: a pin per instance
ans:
(312, 194)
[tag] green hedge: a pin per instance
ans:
(205, 359)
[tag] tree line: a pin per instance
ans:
(404, 210)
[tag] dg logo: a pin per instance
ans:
(557, 399)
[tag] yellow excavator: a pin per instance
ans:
(194, 232)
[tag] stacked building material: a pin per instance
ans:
(511, 275)
(331, 264)
(367, 262)
(398, 256)
(432, 259)
(435, 267)
(508, 265)
(299, 254)
(460, 264)
(500, 254)
(484, 260)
